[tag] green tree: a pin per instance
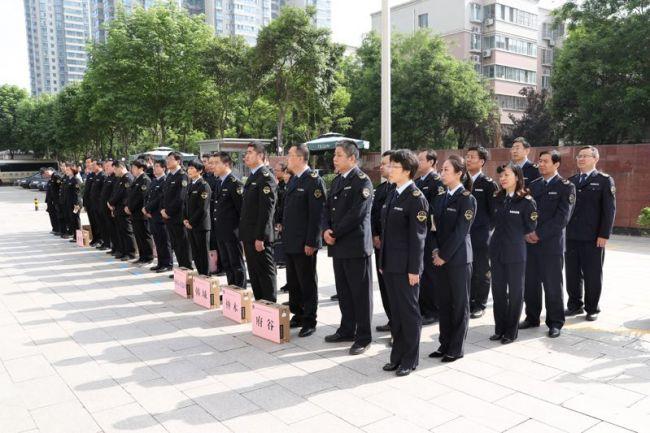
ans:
(601, 77)
(10, 99)
(536, 124)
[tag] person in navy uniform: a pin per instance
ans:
(554, 197)
(519, 154)
(282, 177)
(589, 229)
(151, 211)
(226, 211)
(514, 217)
(404, 218)
(304, 200)
(483, 188)
(108, 219)
(87, 200)
(173, 203)
(63, 219)
(73, 200)
(348, 234)
(382, 192)
(211, 178)
(196, 216)
(134, 203)
(428, 181)
(98, 206)
(451, 252)
(256, 225)
(51, 198)
(117, 204)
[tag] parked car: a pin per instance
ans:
(25, 183)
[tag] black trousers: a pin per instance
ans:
(125, 234)
(98, 229)
(163, 246)
(109, 230)
(63, 221)
(261, 271)
(200, 242)
(231, 256)
(302, 280)
(180, 244)
(584, 266)
(507, 293)
(143, 238)
(406, 321)
(428, 295)
(73, 221)
(54, 218)
(452, 287)
(480, 289)
(94, 224)
(383, 291)
(546, 271)
(353, 279)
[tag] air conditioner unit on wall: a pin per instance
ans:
(489, 22)
(487, 53)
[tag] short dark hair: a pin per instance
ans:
(521, 140)
(224, 157)
(92, 159)
(139, 163)
(118, 163)
(482, 152)
(387, 153)
(555, 155)
(594, 150)
(349, 147)
(176, 155)
(196, 163)
(205, 155)
(161, 163)
(302, 150)
(258, 147)
(431, 155)
(407, 160)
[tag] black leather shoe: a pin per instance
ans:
(496, 337)
(358, 349)
(506, 340)
(401, 372)
(65, 236)
(429, 320)
(574, 312)
(294, 323)
(118, 256)
(171, 276)
(436, 354)
(334, 297)
(592, 317)
(136, 262)
(146, 261)
(553, 332)
(306, 331)
(477, 314)
(127, 257)
(155, 268)
(525, 324)
(448, 358)
(383, 328)
(111, 252)
(390, 367)
(164, 269)
(336, 337)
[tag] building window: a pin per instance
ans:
(423, 21)
(510, 74)
(475, 42)
(475, 12)
(514, 103)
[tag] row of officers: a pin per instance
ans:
(440, 240)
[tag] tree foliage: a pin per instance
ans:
(536, 123)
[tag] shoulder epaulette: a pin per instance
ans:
(466, 193)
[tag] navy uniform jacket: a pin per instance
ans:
(154, 198)
(379, 198)
(402, 243)
(174, 194)
(136, 196)
(483, 191)
(63, 190)
(347, 214)
(96, 191)
(53, 190)
(531, 172)
(512, 219)
(226, 208)
(212, 180)
(88, 184)
(430, 186)
(73, 192)
(554, 205)
(304, 200)
(452, 219)
(120, 193)
(281, 190)
(595, 208)
(107, 190)
(197, 205)
(258, 204)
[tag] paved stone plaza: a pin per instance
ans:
(89, 344)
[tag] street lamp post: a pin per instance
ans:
(385, 76)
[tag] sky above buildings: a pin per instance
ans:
(350, 20)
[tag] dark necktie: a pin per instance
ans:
(583, 177)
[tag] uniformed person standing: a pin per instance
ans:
(587, 233)
(134, 203)
(554, 197)
(226, 211)
(64, 222)
(428, 181)
(97, 206)
(117, 202)
(451, 252)
(196, 217)
(109, 232)
(514, 216)
(73, 200)
(483, 188)
(349, 238)
(151, 210)
(302, 227)
(173, 203)
(519, 153)
(212, 179)
(382, 192)
(282, 177)
(51, 198)
(88, 202)
(256, 225)
(404, 217)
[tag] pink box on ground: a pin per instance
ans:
(183, 281)
(271, 321)
(206, 291)
(236, 303)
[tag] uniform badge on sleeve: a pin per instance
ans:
(240, 190)
(441, 190)
(416, 193)
(184, 183)
(469, 214)
(466, 193)
(143, 187)
(365, 193)
(362, 175)
(266, 190)
(613, 190)
(572, 198)
(266, 173)
(422, 216)
(318, 193)
(204, 195)
(533, 216)
(314, 174)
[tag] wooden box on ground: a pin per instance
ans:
(236, 303)
(183, 278)
(271, 321)
(89, 230)
(206, 291)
